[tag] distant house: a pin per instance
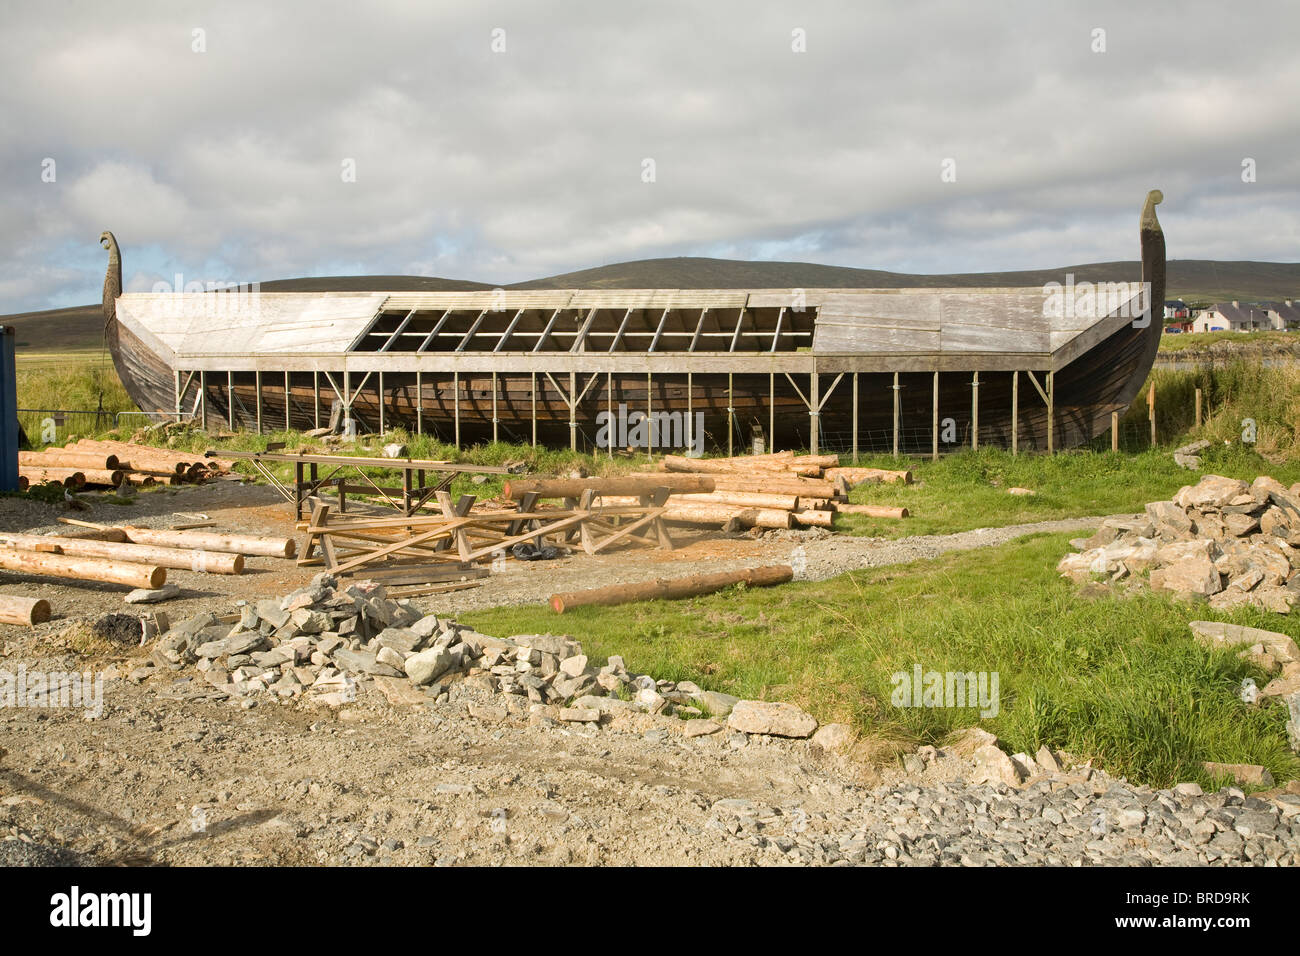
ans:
(1283, 315)
(1233, 317)
(1177, 309)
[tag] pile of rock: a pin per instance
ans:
(319, 642)
(1222, 539)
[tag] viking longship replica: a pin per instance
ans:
(912, 370)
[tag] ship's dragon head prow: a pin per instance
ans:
(1149, 221)
(113, 277)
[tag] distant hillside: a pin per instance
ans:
(1195, 280)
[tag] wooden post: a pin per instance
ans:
(533, 381)
(855, 418)
(573, 411)
(419, 403)
(731, 412)
(287, 421)
(203, 400)
(896, 414)
(1015, 412)
(494, 408)
(315, 397)
(257, 386)
(455, 398)
(1051, 413)
(381, 403)
(609, 408)
(1114, 431)
(814, 417)
(1198, 408)
(650, 432)
(934, 422)
(771, 412)
(1151, 412)
(975, 413)
(690, 410)
(230, 398)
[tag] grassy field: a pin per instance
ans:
(1185, 341)
(1120, 681)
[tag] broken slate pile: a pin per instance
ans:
(1221, 540)
(319, 642)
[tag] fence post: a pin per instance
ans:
(1151, 412)
(1114, 431)
(1198, 408)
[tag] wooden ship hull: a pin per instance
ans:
(912, 370)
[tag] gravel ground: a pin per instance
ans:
(168, 776)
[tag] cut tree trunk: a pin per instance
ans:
(636, 485)
(873, 511)
(670, 588)
(23, 610)
(85, 569)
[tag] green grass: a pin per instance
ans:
(969, 490)
(1185, 341)
(1117, 680)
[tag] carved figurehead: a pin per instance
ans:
(112, 278)
(1153, 254)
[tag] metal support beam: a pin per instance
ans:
(203, 407)
(230, 398)
(315, 398)
(690, 412)
(494, 405)
(731, 412)
(469, 336)
(771, 409)
(651, 432)
(419, 404)
(382, 429)
(975, 413)
(288, 422)
(533, 378)
(609, 408)
(433, 332)
(1051, 412)
(814, 412)
(455, 397)
(257, 385)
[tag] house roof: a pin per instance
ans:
(1240, 311)
(1289, 313)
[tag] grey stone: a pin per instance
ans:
(773, 719)
(427, 666)
(152, 595)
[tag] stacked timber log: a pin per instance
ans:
(771, 491)
(107, 464)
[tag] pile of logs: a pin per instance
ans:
(130, 556)
(107, 464)
(767, 491)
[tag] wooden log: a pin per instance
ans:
(770, 485)
(23, 610)
(211, 562)
(726, 514)
(68, 458)
(268, 547)
(671, 588)
(873, 511)
(733, 466)
(636, 485)
(856, 476)
(819, 519)
(68, 477)
(102, 477)
(741, 499)
(86, 569)
(812, 504)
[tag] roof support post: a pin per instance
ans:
(494, 405)
(257, 384)
(455, 397)
(419, 403)
(315, 398)
(690, 411)
(203, 403)
(1051, 412)
(230, 398)
(176, 394)
(896, 413)
(532, 376)
(855, 418)
(1015, 412)
(573, 411)
(934, 419)
(771, 410)
(609, 410)
(975, 413)
(287, 420)
(731, 411)
(814, 411)
(382, 429)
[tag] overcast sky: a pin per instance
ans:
(506, 141)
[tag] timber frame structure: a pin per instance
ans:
(912, 371)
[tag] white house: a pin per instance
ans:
(1233, 317)
(1283, 315)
